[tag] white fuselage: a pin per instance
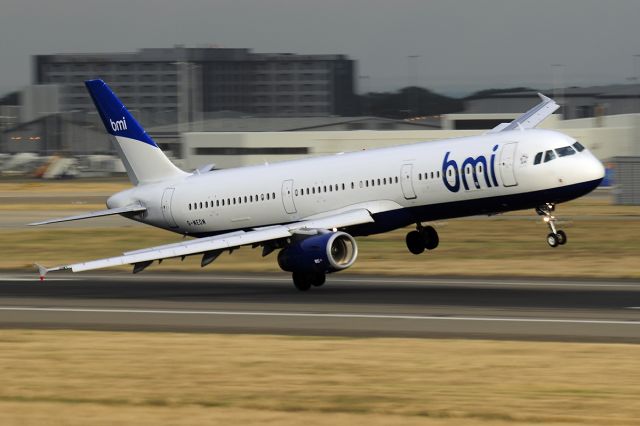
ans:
(404, 184)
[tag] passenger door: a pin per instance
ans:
(167, 196)
(507, 171)
(287, 196)
(406, 181)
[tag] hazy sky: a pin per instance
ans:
(462, 45)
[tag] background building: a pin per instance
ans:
(577, 102)
(182, 84)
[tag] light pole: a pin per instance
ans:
(411, 77)
(558, 90)
(363, 92)
(636, 73)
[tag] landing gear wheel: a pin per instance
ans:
(415, 242)
(301, 281)
(556, 237)
(430, 236)
(317, 280)
(562, 237)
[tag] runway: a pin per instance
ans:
(348, 305)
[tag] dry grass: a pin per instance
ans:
(70, 377)
(602, 241)
(62, 187)
(596, 248)
(54, 207)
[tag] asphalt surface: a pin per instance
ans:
(347, 305)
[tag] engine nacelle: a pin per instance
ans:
(320, 253)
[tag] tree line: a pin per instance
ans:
(416, 101)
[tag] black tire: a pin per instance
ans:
(430, 236)
(415, 242)
(552, 240)
(317, 280)
(562, 237)
(301, 281)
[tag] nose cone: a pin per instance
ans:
(594, 169)
(591, 174)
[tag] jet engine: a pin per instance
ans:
(321, 253)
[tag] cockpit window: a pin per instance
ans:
(578, 146)
(538, 158)
(564, 151)
(548, 156)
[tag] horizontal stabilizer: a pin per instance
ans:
(134, 208)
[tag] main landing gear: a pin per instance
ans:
(424, 237)
(556, 237)
(304, 280)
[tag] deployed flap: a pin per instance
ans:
(219, 242)
(531, 118)
(134, 208)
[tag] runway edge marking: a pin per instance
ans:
(318, 315)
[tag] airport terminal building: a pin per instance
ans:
(184, 84)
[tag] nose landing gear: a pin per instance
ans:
(424, 237)
(557, 236)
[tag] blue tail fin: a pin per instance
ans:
(143, 159)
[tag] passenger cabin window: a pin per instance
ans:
(548, 156)
(578, 146)
(538, 158)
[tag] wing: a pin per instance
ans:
(211, 247)
(531, 118)
(134, 208)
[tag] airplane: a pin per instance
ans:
(310, 210)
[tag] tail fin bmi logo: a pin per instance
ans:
(118, 125)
